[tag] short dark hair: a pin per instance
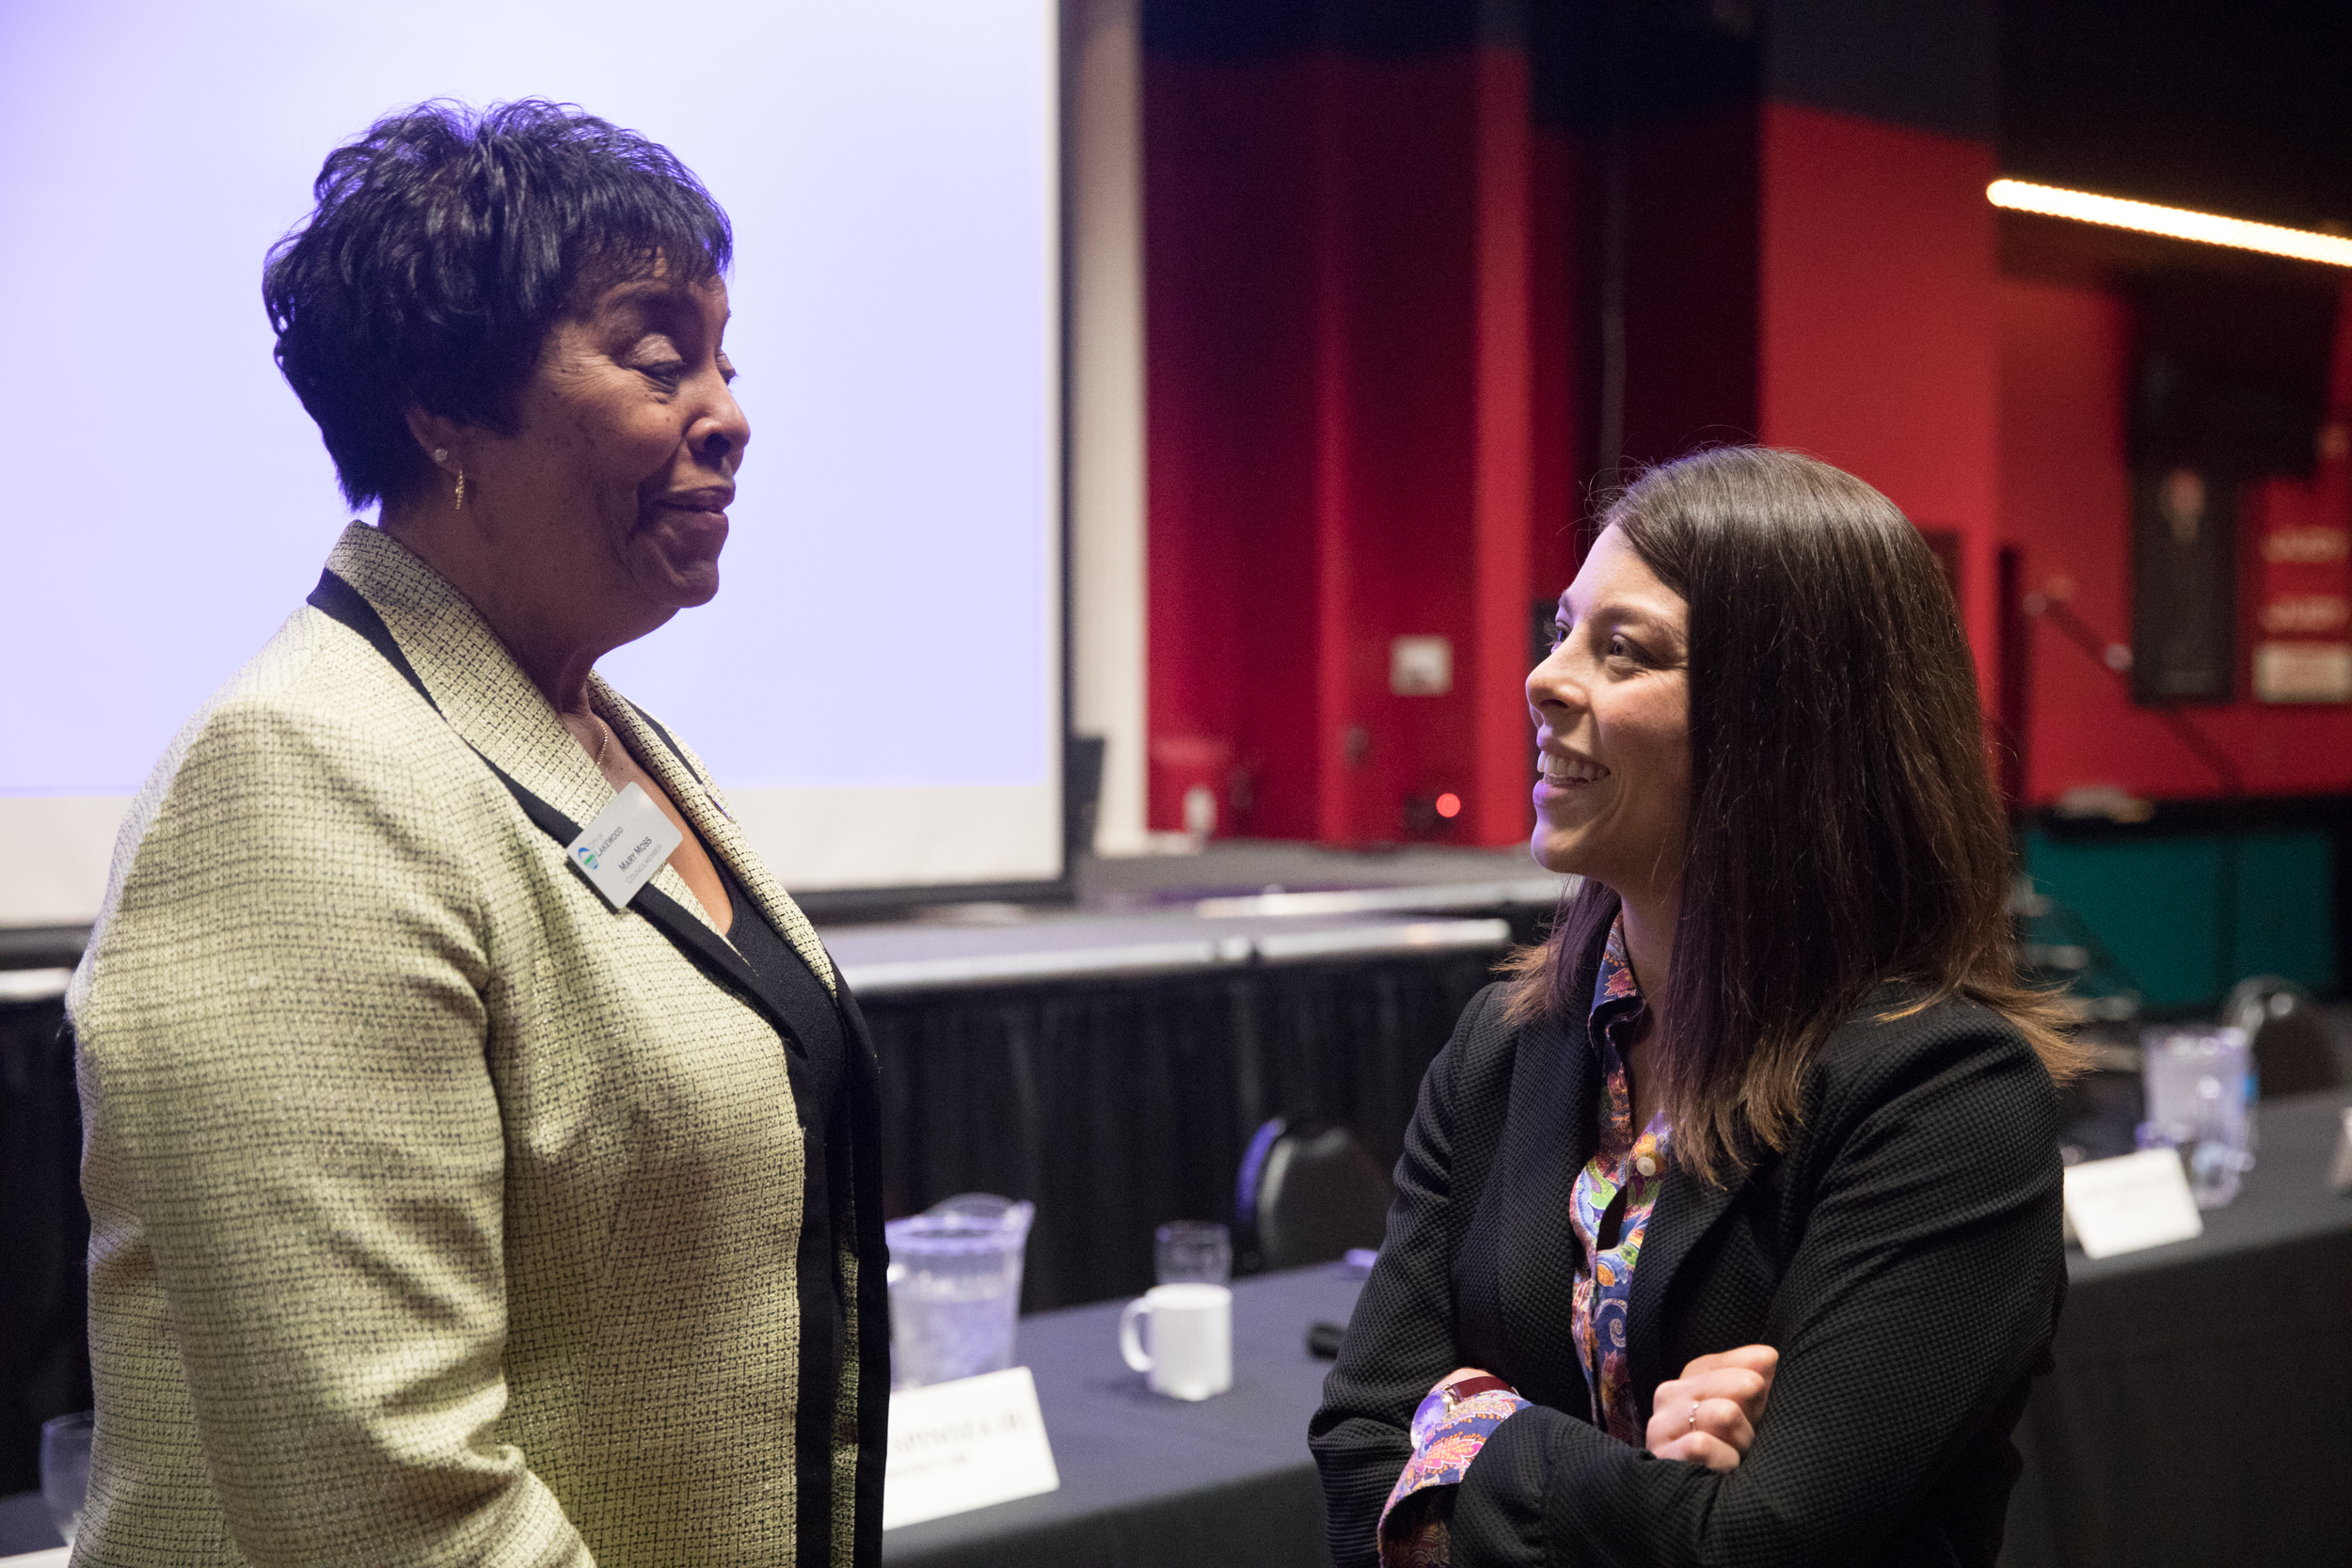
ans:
(1843, 830)
(445, 246)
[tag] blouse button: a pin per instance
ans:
(1647, 1165)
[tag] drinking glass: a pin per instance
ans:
(2199, 1088)
(1194, 1252)
(65, 1469)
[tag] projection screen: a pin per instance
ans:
(877, 685)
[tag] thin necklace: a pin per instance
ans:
(604, 745)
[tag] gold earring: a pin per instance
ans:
(461, 489)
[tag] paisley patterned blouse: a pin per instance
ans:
(1613, 1199)
(1627, 1166)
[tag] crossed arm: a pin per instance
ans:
(1910, 1312)
(1706, 1417)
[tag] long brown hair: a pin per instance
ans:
(1844, 829)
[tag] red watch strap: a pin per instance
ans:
(1455, 1392)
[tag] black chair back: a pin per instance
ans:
(2292, 1052)
(1308, 1193)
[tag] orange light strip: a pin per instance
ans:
(2172, 222)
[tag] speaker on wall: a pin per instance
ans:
(2232, 371)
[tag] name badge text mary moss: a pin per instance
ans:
(625, 845)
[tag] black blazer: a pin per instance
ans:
(1904, 1255)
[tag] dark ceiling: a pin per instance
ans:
(2242, 106)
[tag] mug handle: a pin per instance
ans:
(1130, 1340)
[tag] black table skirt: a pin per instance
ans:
(2202, 1409)
(1116, 1106)
(44, 1237)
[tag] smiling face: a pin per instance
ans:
(1612, 705)
(615, 488)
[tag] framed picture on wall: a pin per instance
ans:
(2184, 586)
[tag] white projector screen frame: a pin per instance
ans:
(893, 171)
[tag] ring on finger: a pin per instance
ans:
(1695, 1415)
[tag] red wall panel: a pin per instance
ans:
(1342, 425)
(1561, 203)
(1230, 422)
(1497, 785)
(1406, 191)
(1877, 323)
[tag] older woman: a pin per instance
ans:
(1728, 1232)
(453, 1200)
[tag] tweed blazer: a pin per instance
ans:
(440, 1213)
(1903, 1255)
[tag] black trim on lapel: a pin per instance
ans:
(717, 957)
(678, 751)
(862, 1088)
(852, 1031)
(863, 1096)
(853, 1027)
(814, 1273)
(704, 948)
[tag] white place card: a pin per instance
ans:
(2130, 1202)
(2340, 1178)
(959, 1446)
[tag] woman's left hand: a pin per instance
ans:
(1707, 1416)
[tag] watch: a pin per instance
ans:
(1455, 1393)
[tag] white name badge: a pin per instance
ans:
(959, 1446)
(2130, 1202)
(625, 845)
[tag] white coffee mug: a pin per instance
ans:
(1192, 1339)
